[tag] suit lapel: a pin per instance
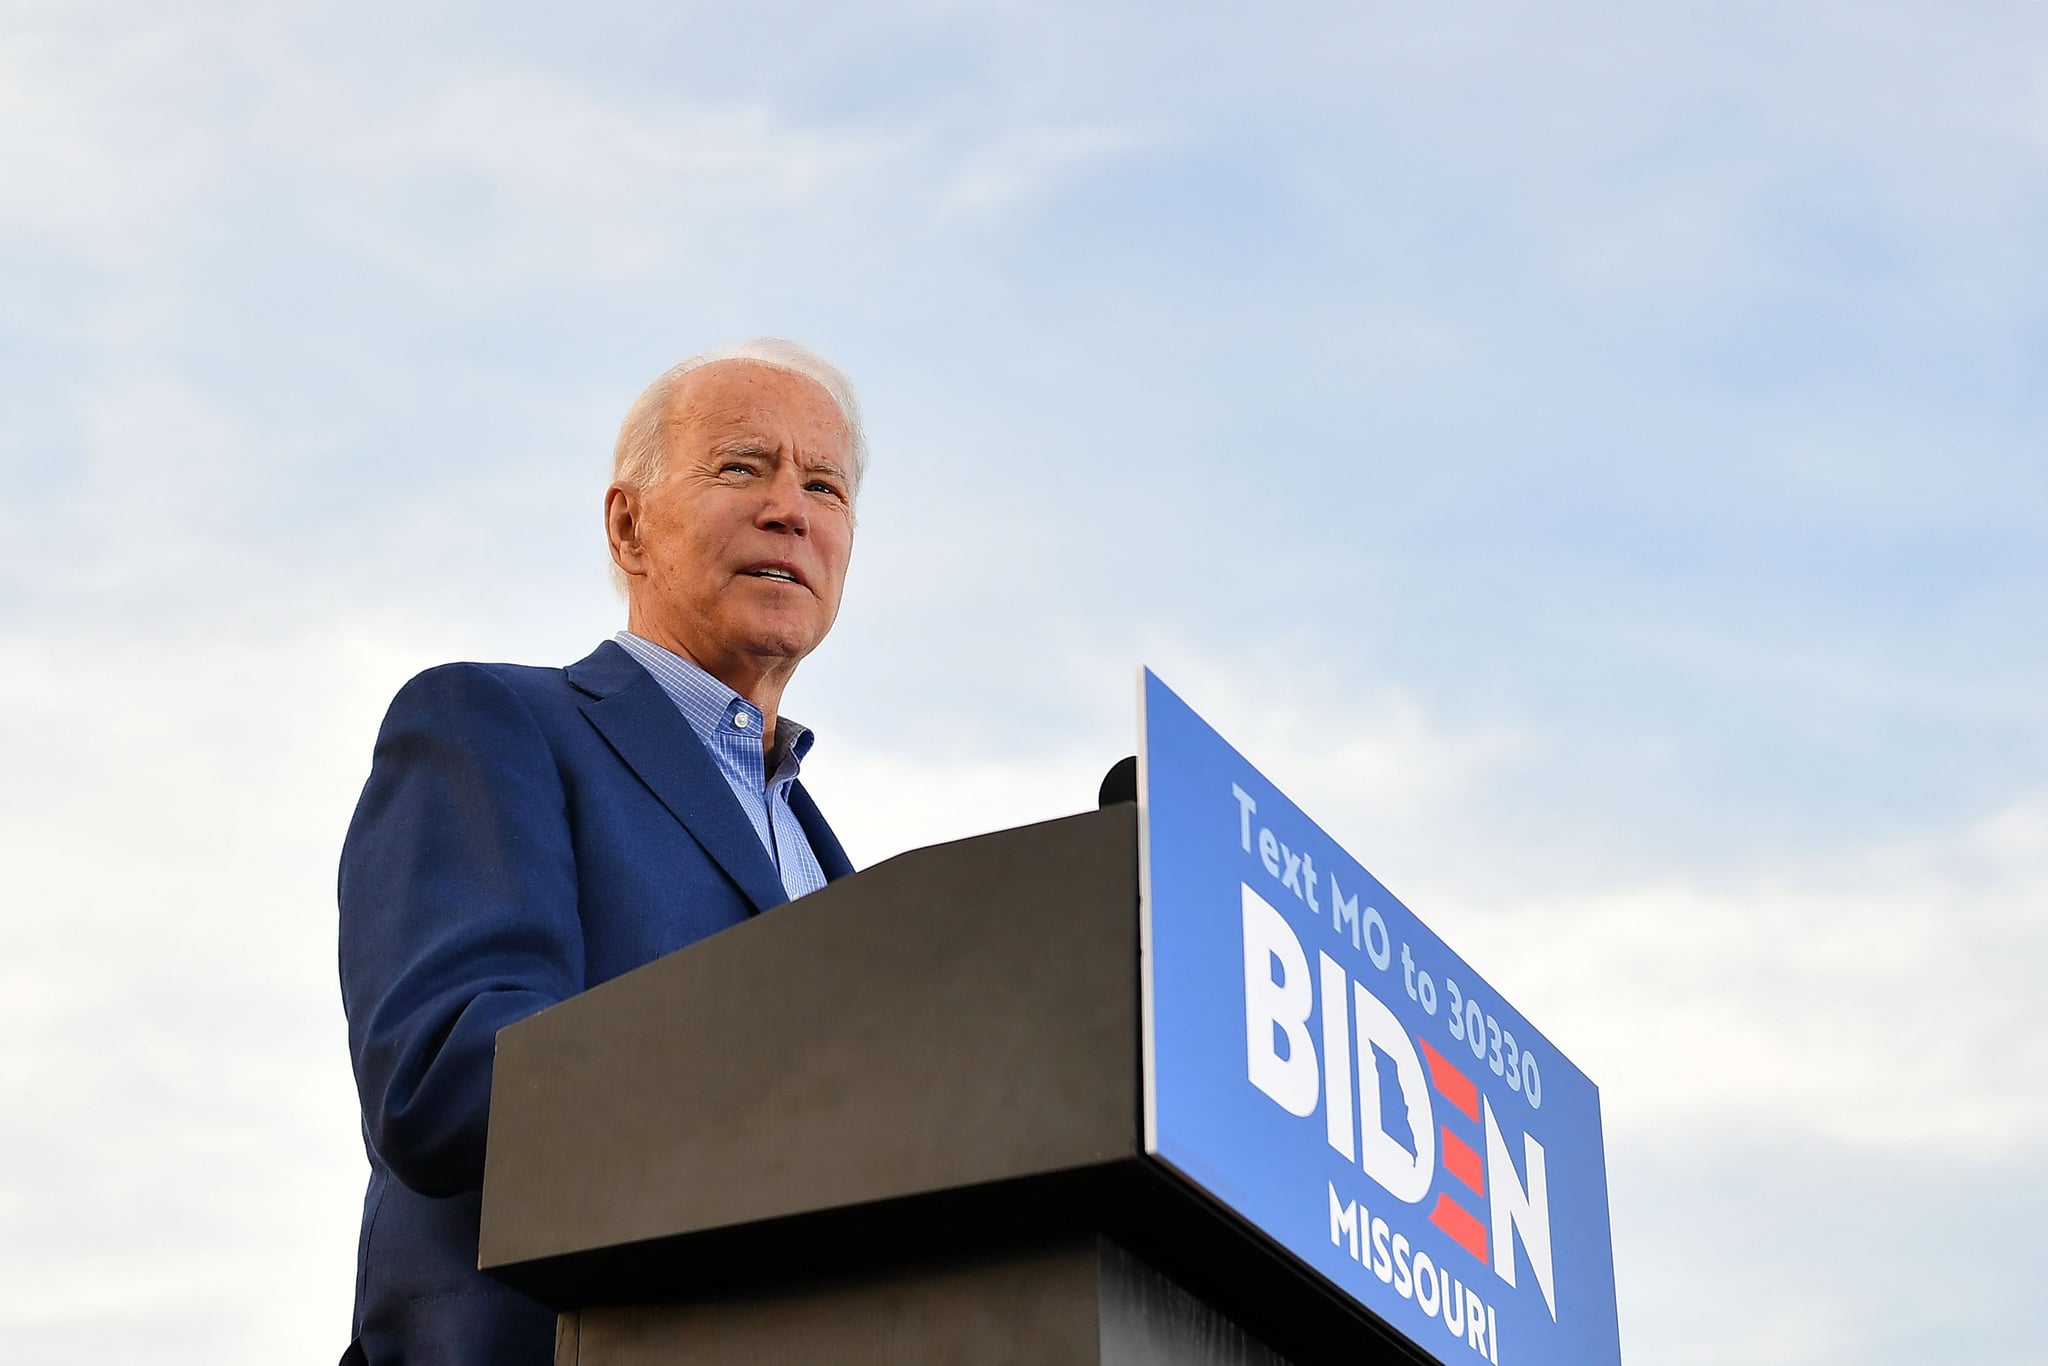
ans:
(646, 731)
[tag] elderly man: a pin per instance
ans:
(527, 833)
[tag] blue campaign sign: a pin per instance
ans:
(1328, 1069)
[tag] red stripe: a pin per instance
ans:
(1462, 1160)
(1459, 1089)
(1452, 1219)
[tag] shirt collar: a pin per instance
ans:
(714, 710)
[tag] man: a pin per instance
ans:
(527, 833)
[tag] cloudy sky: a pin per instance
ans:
(1591, 455)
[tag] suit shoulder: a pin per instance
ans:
(466, 686)
(519, 677)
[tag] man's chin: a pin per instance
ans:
(783, 644)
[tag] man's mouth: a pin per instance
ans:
(773, 572)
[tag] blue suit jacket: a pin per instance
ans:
(525, 833)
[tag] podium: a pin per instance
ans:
(897, 1122)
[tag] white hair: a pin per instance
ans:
(640, 458)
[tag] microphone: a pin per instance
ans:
(1120, 784)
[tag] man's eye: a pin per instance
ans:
(820, 486)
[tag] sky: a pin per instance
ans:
(1591, 456)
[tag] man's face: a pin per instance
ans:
(737, 556)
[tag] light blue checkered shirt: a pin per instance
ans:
(730, 727)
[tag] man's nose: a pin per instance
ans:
(783, 505)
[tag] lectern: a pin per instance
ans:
(898, 1122)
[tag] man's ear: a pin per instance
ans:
(622, 528)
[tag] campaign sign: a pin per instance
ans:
(1329, 1070)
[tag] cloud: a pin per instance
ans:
(1370, 761)
(1832, 1256)
(1020, 165)
(1876, 1000)
(109, 150)
(498, 178)
(185, 1170)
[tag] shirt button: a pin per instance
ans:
(740, 720)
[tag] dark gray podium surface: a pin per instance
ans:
(896, 1120)
(1085, 1302)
